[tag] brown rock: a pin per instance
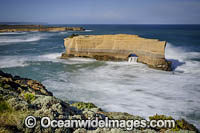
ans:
(118, 48)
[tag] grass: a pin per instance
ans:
(9, 118)
(29, 97)
(4, 106)
(4, 130)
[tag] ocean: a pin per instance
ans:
(113, 86)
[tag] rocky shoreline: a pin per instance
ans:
(35, 28)
(20, 97)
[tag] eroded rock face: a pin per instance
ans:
(24, 85)
(118, 48)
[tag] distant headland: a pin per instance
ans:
(27, 28)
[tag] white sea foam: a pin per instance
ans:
(9, 33)
(181, 59)
(31, 39)
(179, 53)
(64, 32)
(21, 61)
(51, 56)
(134, 88)
(81, 59)
(88, 30)
(55, 57)
(12, 61)
(6, 40)
(26, 37)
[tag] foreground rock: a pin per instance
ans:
(27, 28)
(118, 48)
(21, 97)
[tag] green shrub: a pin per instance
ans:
(82, 105)
(73, 35)
(184, 125)
(29, 97)
(4, 106)
(4, 85)
(160, 117)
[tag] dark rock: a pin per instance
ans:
(20, 85)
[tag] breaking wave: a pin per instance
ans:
(182, 60)
(88, 30)
(64, 32)
(12, 61)
(22, 61)
(28, 37)
(15, 40)
(11, 33)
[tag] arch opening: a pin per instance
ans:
(132, 57)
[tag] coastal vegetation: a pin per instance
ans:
(29, 97)
(82, 105)
(20, 97)
(73, 35)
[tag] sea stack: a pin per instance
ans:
(118, 47)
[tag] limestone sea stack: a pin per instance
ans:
(118, 47)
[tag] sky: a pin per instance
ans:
(101, 11)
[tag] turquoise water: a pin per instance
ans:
(113, 86)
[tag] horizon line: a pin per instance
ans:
(46, 23)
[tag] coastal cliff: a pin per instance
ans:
(27, 28)
(118, 48)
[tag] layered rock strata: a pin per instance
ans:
(118, 48)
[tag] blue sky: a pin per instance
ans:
(101, 11)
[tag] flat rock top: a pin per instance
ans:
(115, 37)
(116, 42)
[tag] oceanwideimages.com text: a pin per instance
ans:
(46, 122)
